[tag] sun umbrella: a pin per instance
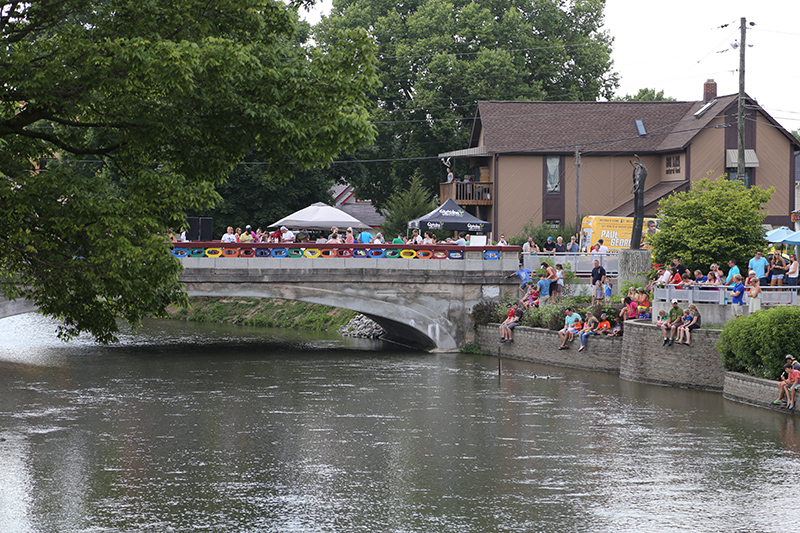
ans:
(320, 216)
(778, 235)
(792, 239)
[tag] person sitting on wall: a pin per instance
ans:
(569, 321)
(531, 298)
(672, 323)
(589, 328)
(511, 321)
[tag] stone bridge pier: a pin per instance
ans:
(423, 303)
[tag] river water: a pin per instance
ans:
(188, 427)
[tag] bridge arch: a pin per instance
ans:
(417, 325)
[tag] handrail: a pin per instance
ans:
(720, 295)
(332, 246)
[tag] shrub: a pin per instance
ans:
(488, 311)
(757, 344)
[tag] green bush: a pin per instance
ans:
(540, 232)
(757, 344)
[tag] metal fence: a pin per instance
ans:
(580, 263)
(721, 295)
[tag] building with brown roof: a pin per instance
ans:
(523, 162)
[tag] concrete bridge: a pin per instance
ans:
(15, 307)
(419, 302)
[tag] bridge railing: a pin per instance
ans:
(216, 249)
(770, 296)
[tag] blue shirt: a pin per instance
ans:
(571, 319)
(544, 287)
(524, 274)
(759, 266)
(732, 272)
(365, 237)
(737, 300)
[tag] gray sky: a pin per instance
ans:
(676, 46)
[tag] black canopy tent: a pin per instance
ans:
(452, 217)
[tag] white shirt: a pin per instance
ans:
(229, 237)
(603, 249)
(287, 236)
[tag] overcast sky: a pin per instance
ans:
(676, 45)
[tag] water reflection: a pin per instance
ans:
(188, 427)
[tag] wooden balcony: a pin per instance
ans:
(467, 193)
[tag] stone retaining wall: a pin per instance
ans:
(639, 356)
(541, 346)
(645, 358)
(753, 391)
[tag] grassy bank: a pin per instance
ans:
(263, 312)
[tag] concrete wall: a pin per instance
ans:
(714, 314)
(541, 346)
(645, 359)
(638, 356)
(752, 391)
(15, 307)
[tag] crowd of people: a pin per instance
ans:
(348, 236)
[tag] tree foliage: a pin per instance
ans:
(139, 110)
(757, 344)
(645, 95)
(716, 221)
(251, 196)
(408, 203)
(439, 57)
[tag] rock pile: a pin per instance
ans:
(362, 327)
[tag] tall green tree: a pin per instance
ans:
(437, 58)
(716, 221)
(645, 95)
(139, 110)
(407, 203)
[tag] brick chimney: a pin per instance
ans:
(709, 91)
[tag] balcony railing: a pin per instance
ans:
(468, 192)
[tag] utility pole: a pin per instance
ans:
(578, 188)
(740, 115)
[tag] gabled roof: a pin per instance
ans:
(557, 127)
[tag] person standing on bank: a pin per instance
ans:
(777, 268)
(793, 271)
(598, 279)
(759, 265)
(754, 292)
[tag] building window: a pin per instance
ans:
(553, 174)
(733, 174)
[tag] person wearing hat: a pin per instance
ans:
(286, 235)
(670, 327)
(550, 246)
(603, 249)
(247, 234)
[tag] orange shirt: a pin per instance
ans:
(605, 324)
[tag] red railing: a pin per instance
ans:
(323, 250)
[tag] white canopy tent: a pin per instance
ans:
(320, 216)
